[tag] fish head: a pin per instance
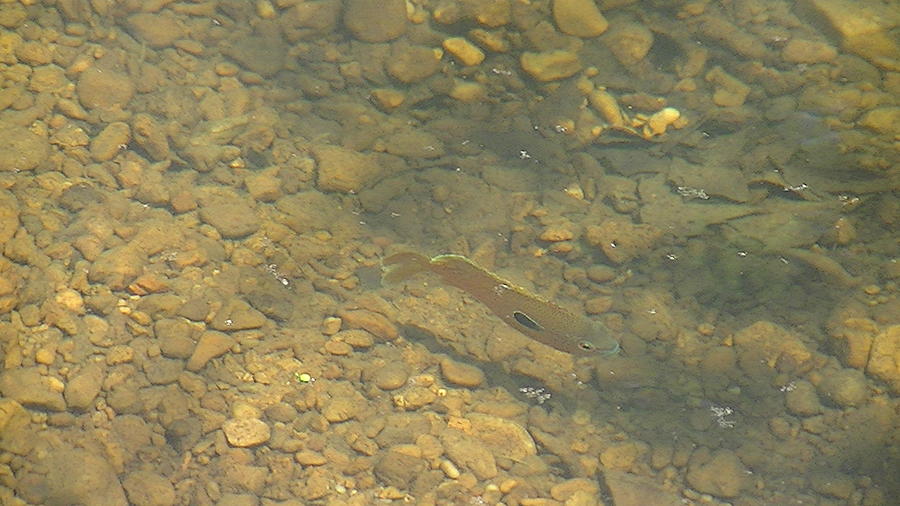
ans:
(599, 342)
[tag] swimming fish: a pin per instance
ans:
(531, 315)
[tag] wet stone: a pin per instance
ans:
(157, 30)
(116, 267)
(246, 432)
(375, 20)
(460, 374)
(801, 399)
(27, 386)
(104, 89)
(231, 219)
(391, 377)
(84, 387)
(845, 388)
(721, 474)
(211, 345)
(146, 488)
(110, 141)
(20, 149)
(162, 371)
(95, 483)
(398, 469)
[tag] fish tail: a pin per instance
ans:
(401, 266)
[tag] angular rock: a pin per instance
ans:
(246, 432)
(231, 219)
(104, 89)
(211, 345)
(721, 474)
(84, 386)
(117, 267)
(146, 488)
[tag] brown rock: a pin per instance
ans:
(84, 386)
(344, 170)
(246, 432)
(104, 89)
(94, 484)
(157, 30)
(116, 267)
(398, 469)
(721, 474)
(884, 360)
(629, 42)
(211, 345)
(231, 219)
(391, 377)
(110, 141)
(464, 375)
(411, 64)
(373, 322)
(469, 453)
(21, 150)
(580, 18)
(375, 20)
(147, 488)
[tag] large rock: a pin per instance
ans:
(231, 219)
(20, 149)
(77, 476)
(884, 359)
(375, 20)
(721, 474)
(104, 89)
(31, 389)
(580, 18)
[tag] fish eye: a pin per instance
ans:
(586, 346)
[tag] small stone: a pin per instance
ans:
(246, 432)
(264, 186)
(117, 267)
(565, 490)
(550, 65)
(391, 377)
(344, 170)
(110, 141)
(388, 99)
(557, 233)
(398, 469)
(467, 92)
(580, 18)
(729, 91)
(464, 51)
(882, 120)
(375, 20)
(601, 273)
(621, 456)
(464, 375)
(231, 219)
(846, 387)
(211, 345)
(469, 453)
(104, 89)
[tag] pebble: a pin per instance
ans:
(461, 374)
(232, 220)
(110, 141)
(95, 481)
(246, 432)
(338, 347)
(398, 469)
(356, 338)
(310, 458)
(550, 65)
(27, 386)
(391, 377)
(210, 345)
(469, 453)
(808, 51)
(104, 89)
(580, 18)
(629, 42)
(375, 20)
(344, 170)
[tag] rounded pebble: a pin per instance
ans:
(461, 374)
(246, 432)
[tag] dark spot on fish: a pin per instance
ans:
(526, 321)
(586, 345)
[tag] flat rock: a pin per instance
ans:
(469, 453)
(20, 149)
(246, 432)
(263, 55)
(94, 484)
(15, 432)
(157, 30)
(29, 388)
(211, 345)
(550, 65)
(375, 20)
(84, 386)
(884, 359)
(461, 374)
(721, 474)
(116, 267)
(147, 488)
(232, 220)
(104, 89)
(344, 170)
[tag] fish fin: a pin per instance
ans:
(401, 266)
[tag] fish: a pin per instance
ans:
(533, 316)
